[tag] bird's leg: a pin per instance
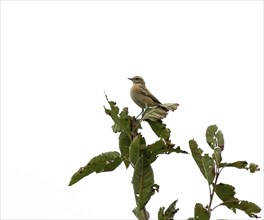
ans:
(140, 113)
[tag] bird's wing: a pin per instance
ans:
(147, 93)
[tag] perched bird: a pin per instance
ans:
(141, 95)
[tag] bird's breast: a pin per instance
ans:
(139, 98)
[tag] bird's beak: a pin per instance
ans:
(129, 78)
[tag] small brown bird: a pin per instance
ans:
(141, 95)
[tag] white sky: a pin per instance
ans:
(58, 57)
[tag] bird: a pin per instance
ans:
(141, 95)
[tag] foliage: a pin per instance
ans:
(211, 167)
(169, 213)
(134, 152)
(102, 163)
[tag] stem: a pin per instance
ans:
(217, 206)
(213, 192)
(134, 130)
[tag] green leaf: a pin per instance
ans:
(227, 194)
(249, 208)
(237, 164)
(170, 106)
(176, 150)
(161, 147)
(124, 143)
(113, 111)
(103, 163)
(225, 191)
(122, 121)
(125, 120)
(196, 154)
(143, 181)
(210, 135)
(220, 139)
(155, 149)
(253, 167)
(217, 156)
(159, 129)
(205, 163)
(214, 137)
(141, 214)
(155, 113)
(209, 168)
(169, 213)
(134, 150)
(200, 213)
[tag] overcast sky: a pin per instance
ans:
(58, 58)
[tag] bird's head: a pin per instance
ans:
(137, 80)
